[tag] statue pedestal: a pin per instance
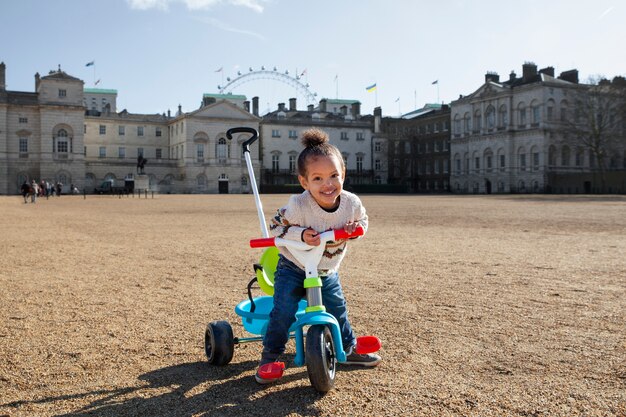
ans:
(142, 182)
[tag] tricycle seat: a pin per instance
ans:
(256, 321)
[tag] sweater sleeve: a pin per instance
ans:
(286, 223)
(360, 215)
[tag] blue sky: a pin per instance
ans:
(162, 53)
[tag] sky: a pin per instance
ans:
(159, 54)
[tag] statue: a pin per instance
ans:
(141, 163)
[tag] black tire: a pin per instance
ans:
(321, 362)
(219, 344)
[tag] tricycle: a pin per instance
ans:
(323, 348)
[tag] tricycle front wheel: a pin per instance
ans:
(321, 361)
(219, 344)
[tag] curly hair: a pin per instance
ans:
(316, 143)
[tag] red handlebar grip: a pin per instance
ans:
(342, 234)
(262, 242)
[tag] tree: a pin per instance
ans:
(597, 124)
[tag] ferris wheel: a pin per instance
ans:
(274, 75)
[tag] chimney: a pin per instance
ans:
(310, 107)
(529, 70)
(180, 110)
(492, 76)
(571, 76)
(356, 109)
(548, 71)
(344, 110)
(512, 76)
(246, 106)
(292, 104)
(255, 106)
(3, 81)
(378, 114)
(281, 106)
(169, 113)
(323, 105)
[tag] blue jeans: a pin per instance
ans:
(288, 291)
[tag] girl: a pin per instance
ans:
(324, 205)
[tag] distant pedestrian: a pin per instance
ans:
(34, 190)
(59, 187)
(25, 189)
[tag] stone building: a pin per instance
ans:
(511, 136)
(419, 149)
(42, 133)
(351, 132)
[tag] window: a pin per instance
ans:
(565, 156)
(522, 114)
(477, 163)
(158, 132)
(344, 135)
(84, 128)
(377, 165)
(275, 163)
(103, 130)
(522, 162)
(292, 163)
(377, 147)
(491, 117)
(199, 152)
(293, 134)
(275, 133)
(359, 136)
(535, 160)
(477, 121)
(445, 166)
(457, 166)
(23, 145)
(62, 145)
(503, 117)
(121, 130)
(139, 130)
(436, 166)
(159, 153)
(536, 114)
(103, 152)
(407, 147)
(62, 93)
(488, 162)
(222, 150)
(502, 162)
(359, 163)
(121, 152)
(23, 119)
(579, 157)
(466, 123)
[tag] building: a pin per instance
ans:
(42, 133)
(419, 149)
(351, 132)
(513, 136)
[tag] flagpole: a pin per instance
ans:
(437, 91)
(337, 86)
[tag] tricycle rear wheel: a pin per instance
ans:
(219, 344)
(321, 361)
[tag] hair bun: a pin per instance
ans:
(314, 137)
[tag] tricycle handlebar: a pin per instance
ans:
(338, 235)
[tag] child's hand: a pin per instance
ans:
(311, 237)
(350, 227)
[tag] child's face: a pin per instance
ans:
(324, 180)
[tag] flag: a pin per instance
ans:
(219, 70)
(398, 99)
(435, 82)
(371, 88)
(88, 64)
(97, 82)
(303, 72)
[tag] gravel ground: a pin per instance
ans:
(486, 306)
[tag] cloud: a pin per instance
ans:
(163, 5)
(228, 28)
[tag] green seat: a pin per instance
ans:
(265, 274)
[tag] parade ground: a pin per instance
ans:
(509, 305)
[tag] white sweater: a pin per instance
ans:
(303, 212)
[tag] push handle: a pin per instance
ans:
(246, 144)
(342, 234)
(262, 242)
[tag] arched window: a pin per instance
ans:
(201, 182)
(488, 159)
(477, 121)
(535, 109)
(503, 117)
(467, 126)
(490, 116)
(552, 155)
(521, 114)
(222, 150)
(565, 156)
(534, 155)
(521, 158)
(564, 111)
(550, 105)
(457, 124)
(62, 142)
